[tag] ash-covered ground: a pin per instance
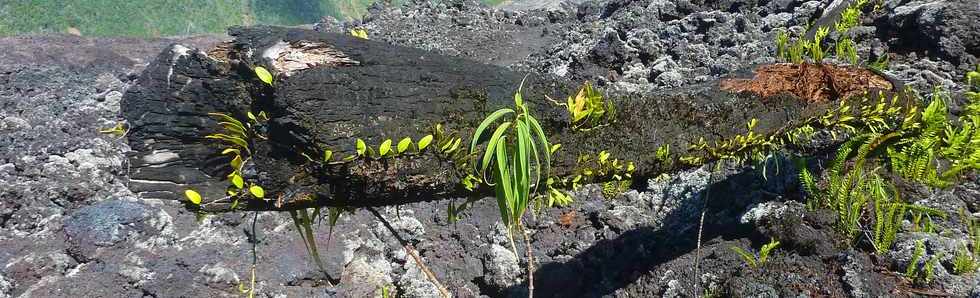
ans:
(70, 227)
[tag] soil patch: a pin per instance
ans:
(812, 82)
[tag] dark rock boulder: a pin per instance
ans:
(948, 29)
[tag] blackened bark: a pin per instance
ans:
(333, 89)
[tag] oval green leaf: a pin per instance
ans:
(424, 142)
(257, 191)
(193, 196)
(385, 147)
(327, 155)
(361, 147)
(236, 163)
(404, 144)
(237, 180)
(263, 75)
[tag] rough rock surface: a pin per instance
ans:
(69, 226)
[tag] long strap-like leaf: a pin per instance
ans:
(486, 123)
(495, 141)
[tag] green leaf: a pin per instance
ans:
(236, 163)
(424, 142)
(518, 99)
(230, 139)
(495, 141)
(603, 156)
(521, 171)
(327, 154)
(193, 196)
(361, 147)
(227, 118)
(543, 140)
(359, 33)
(257, 191)
(478, 133)
(231, 150)
(237, 180)
(385, 147)
(554, 148)
(746, 256)
(454, 145)
(404, 144)
(233, 129)
(263, 75)
(505, 196)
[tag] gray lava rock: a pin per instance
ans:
(104, 224)
(949, 28)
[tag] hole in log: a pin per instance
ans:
(811, 82)
(288, 58)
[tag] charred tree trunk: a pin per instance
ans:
(331, 90)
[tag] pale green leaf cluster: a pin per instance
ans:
(753, 260)
(237, 137)
(359, 33)
(615, 174)
(588, 109)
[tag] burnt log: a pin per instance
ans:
(332, 89)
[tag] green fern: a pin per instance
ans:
(964, 262)
(911, 271)
(766, 250)
(888, 220)
(752, 259)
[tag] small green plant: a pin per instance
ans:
(966, 259)
(386, 292)
(303, 220)
(359, 33)
(782, 41)
(922, 218)
(933, 136)
(846, 50)
(888, 219)
(795, 51)
(880, 64)
(848, 190)
(816, 50)
(588, 109)
(512, 163)
(237, 137)
(912, 270)
(850, 17)
(119, 130)
(753, 260)
(964, 262)
(928, 270)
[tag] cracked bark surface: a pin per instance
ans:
(381, 91)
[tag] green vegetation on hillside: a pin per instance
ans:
(155, 18)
